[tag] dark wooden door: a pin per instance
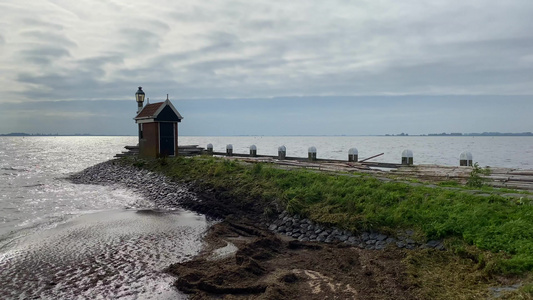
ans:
(166, 138)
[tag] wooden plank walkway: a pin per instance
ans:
(499, 177)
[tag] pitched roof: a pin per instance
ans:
(151, 111)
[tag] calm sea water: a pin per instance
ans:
(509, 152)
(57, 238)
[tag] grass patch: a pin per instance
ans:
(501, 229)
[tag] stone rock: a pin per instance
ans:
(381, 237)
(432, 244)
(352, 240)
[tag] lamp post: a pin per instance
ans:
(139, 96)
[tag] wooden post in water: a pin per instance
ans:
(229, 149)
(209, 149)
(353, 155)
(407, 157)
(253, 151)
(465, 159)
(282, 152)
(311, 153)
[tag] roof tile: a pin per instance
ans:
(149, 110)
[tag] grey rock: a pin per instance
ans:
(381, 237)
(352, 240)
(370, 242)
(343, 238)
(273, 227)
(400, 244)
(432, 244)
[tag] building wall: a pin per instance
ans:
(149, 144)
(176, 137)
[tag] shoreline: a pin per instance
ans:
(294, 265)
(280, 265)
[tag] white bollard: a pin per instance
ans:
(353, 155)
(311, 153)
(229, 149)
(282, 152)
(407, 157)
(465, 159)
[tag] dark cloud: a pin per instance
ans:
(44, 55)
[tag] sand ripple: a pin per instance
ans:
(112, 254)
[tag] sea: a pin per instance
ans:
(60, 240)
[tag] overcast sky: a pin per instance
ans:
(268, 67)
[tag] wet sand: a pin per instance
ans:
(102, 255)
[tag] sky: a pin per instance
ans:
(268, 67)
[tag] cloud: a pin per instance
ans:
(103, 50)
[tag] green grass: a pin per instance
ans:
(503, 229)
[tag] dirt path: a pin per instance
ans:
(243, 262)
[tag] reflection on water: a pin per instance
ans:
(103, 255)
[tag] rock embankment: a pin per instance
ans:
(165, 193)
(307, 230)
(159, 189)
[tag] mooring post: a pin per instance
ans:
(465, 159)
(407, 157)
(253, 151)
(282, 152)
(229, 149)
(353, 155)
(311, 153)
(209, 149)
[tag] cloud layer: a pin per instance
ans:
(60, 50)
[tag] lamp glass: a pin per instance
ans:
(139, 95)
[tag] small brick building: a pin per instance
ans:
(158, 129)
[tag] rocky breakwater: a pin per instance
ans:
(159, 189)
(165, 193)
(306, 230)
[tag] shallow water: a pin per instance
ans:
(60, 240)
(102, 255)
